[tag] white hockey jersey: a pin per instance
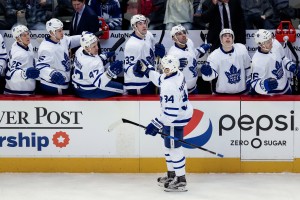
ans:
(270, 65)
(136, 49)
(231, 68)
(176, 109)
(190, 72)
(54, 56)
(3, 56)
(89, 73)
(20, 58)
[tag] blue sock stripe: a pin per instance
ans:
(179, 160)
(179, 167)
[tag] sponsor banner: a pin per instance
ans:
(267, 130)
(52, 129)
(250, 130)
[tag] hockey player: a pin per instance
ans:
(53, 59)
(176, 112)
(90, 79)
(3, 63)
(187, 54)
(21, 73)
(269, 73)
(228, 66)
(140, 46)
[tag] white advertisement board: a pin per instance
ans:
(267, 130)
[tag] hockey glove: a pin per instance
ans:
(293, 68)
(270, 84)
(160, 50)
(57, 78)
(206, 70)
(108, 56)
(146, 68)
(114, 69)
(137, 69)
(203, 49)
(31, 73)
(182, 63)
(154, 127)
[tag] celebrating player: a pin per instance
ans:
(270, 68)
(21, 73)
(228, 66)
(53, 59)
(187, 54)
(90, 79)
(176, 112)
(140, 46)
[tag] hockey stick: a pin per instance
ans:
(290, 46)
(118, 44)
(159, 42)
(117, 123)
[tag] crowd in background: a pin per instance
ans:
(160, 13)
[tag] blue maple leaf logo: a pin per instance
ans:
(278, 71)
(66, 63)
(193, 68)
(234, 75)
(150, 58)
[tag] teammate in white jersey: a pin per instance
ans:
(53, 59)
(3, 63)
(21, 73)
(184, 50)
(269, 73)
(176, 112)
(228, 66)
(90, 79)
(140, 46)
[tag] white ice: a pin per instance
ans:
(104, 186)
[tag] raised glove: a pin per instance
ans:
(206, 70)
(203, 49)
(154, 127)
(160, 50)
(137, 69)
(31, 72)
(114, 69)
(109, 54)
(57, 78)
(270, 84)
(182, 63)
(147, 67)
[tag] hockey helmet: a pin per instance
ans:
(177, 29)
(170, 62)
(53, 25)
(262, 36)
(87, 39)
(18, 30)
(137, 18)
(225, 31)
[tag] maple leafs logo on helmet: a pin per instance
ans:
(177, 29)
(225, 31)
(87, 39)
(170, 62)
(137, 18)
(18, 30)
(53, 25)
(262, 36)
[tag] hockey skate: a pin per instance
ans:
(166, 179)
(176, 185)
